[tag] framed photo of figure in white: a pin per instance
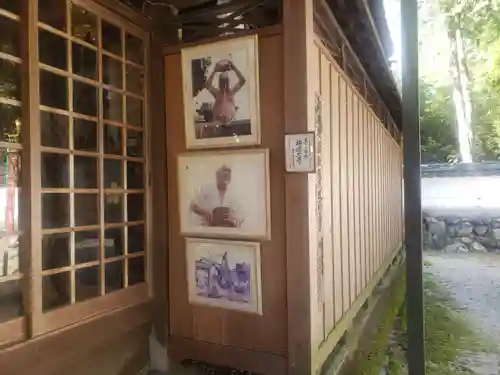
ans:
(225, 194)
(224, 274)
(221, 93)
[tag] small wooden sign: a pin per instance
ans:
(300, 153)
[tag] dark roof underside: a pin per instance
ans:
(362, 22)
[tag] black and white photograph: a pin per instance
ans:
(220, 84)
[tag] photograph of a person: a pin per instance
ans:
(221, 93)
(225, 193)
(224, 274)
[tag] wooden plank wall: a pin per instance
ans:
(195, 325)
(358, 195)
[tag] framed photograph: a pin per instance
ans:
(224, 274)
(225, 194)
(221, 93)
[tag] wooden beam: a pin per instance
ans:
(126, 12)
(298, 19)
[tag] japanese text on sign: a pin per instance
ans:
(300, 152)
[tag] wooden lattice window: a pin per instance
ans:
(87, 174)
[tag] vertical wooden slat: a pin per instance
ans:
(377, 192)
(359, 177)
(373, 197)
(100, 139)
(386, 202)
(158, 245)
(328, 281)
(364, 230)
(336, 194)
(72, 213)
(315, 227)
(32, 171)
(344, 216)
(355, 190)
(297, 37)
(380, 196)
(350, 194)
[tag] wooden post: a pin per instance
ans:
(298, 105)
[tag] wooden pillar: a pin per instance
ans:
(299, 114)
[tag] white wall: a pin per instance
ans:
(461, 192)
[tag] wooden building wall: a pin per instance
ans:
(216, 335)
(358, 210)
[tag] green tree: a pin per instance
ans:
(437, 125)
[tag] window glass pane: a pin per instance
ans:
(135, 111)
(84, 135)
(13, 6)
(113, 140)
(135, 80)
(56, 291)
(113, 106)
(55, 251)
(84, 98)
(52, 49)
(135, 49)
(83, 24)
(10, 86)
(135, 207)
(136, 271)
(114, 276)
(134, 143)
(87, 283)
(52, 13)
(135, 175)
(112, 71)
(53, 90)
(54, 170)
(136, 239)
(10, 290)
(84, 61)
(113, 174)
(10, 36)
(10, 186)
(113, 205)
(11, 299)
(87, 247)
(86, 209)
(85, 169)
(54, 130)
(111, 38)
(114, 242)
(10, 123)
(55, 210)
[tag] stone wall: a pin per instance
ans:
(452, 233)
(461, 207)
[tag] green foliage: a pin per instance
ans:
(479, 23)
(437, 125)
(372, 355)
(449, 336)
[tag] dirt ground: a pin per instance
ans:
(474, 281)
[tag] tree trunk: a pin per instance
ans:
(461, 96)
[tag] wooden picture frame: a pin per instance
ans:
(224, 274)
(225, 194)
(212, 119)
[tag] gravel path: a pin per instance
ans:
(474, 280)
